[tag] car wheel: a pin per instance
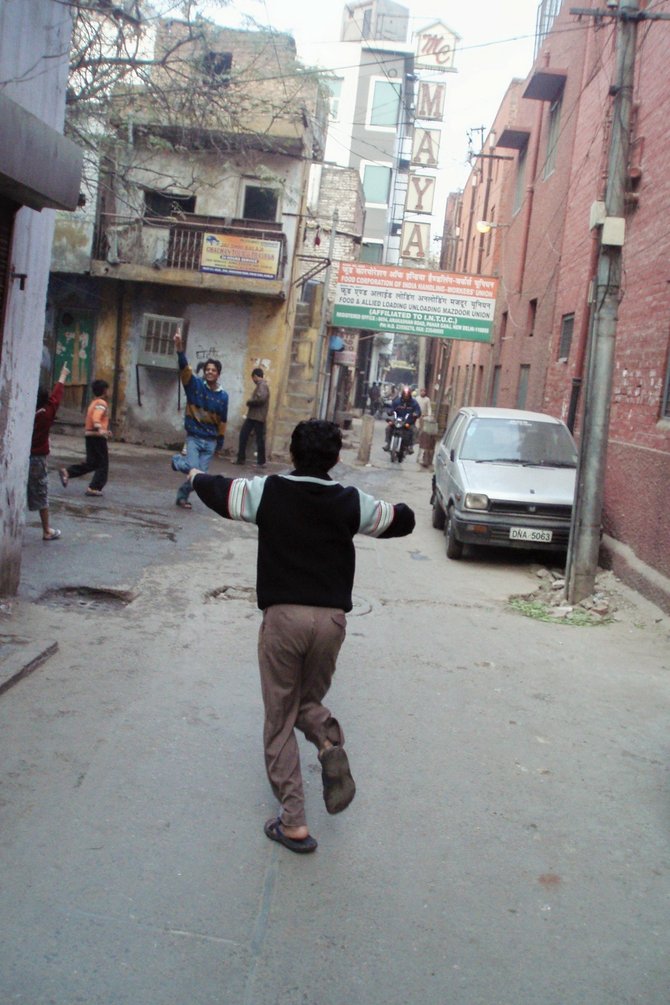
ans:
(454, 546)
(438, 517)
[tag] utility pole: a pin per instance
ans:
(322, 357)
(582, 560)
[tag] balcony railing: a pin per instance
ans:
(160, 243)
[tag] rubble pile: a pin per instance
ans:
(548, 602)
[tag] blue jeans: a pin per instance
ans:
(199, 453)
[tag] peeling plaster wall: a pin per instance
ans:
(34, 42)
(241, 331)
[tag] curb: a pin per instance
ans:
(19, 657)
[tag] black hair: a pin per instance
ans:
(99, 386)
(214, 362)
(257, 372)
(316, 445)
(42, 397)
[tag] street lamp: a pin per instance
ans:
(485, 226)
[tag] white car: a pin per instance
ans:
(504, 477)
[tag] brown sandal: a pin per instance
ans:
(183, 504)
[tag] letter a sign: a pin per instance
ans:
(415, 240)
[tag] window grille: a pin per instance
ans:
(157, 341)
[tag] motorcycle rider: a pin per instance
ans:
(405, 407)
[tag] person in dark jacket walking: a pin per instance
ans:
(38, 479)
(257, 413)
(205, 418)
(304, 580)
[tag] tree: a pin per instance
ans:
(184, 84)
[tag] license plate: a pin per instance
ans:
(529, 534)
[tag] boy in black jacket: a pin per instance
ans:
(304, 578)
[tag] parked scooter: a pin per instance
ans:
(401, 437)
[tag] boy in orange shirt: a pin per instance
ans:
(96, 434)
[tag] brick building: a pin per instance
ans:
(554, 127)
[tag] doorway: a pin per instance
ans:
(75, 331)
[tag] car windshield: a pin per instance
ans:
(519, 441)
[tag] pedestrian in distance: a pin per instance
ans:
(38, 472)
(374, 395)
(425, 405)
(205, 418)
(96, 434)
(257, 413)
(304, 580)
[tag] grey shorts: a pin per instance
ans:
(38, 483)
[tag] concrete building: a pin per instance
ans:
(377, 99)
(197, 221)
(555, 126)
(40, 171)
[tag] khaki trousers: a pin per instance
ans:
(297, 653)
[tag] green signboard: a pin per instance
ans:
(414, 301)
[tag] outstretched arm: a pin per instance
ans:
(384, 519)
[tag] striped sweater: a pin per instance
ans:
(206, 412)
(306, 527)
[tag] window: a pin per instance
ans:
(522, 390)
(157, 341)
(495, 387)
(384, 104)
(532, 317)
(216, 68)
(260, 203)
(334, 87)
(503, 325)
(567, 328)
(376, 184)
(167, 204)
(367, 23)
(552, 136)
(372, 252)
(520, 180)
(665, 404)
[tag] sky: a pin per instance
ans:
(496, 45)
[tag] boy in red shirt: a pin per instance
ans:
(38, 482)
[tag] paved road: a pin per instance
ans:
(509, 840)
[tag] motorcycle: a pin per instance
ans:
(401, 437)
